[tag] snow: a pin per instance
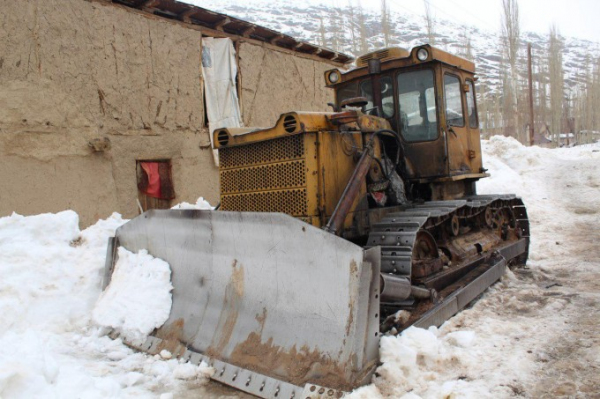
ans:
(51, 279)
(138, 298)
(201, 203)
(500, 347)
(533, 334)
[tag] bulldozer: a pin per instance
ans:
(334, 229)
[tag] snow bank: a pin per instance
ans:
(201, 203)
(498, 348)
(51, 279)
(138, 298)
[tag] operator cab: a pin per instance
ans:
(428, 97)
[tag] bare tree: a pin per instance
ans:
(362, 29)
(511, 30)
(510, 40)
(322, 33)
(352, 25)
(429, 22)
(556, 81)
(386, 28)
(335, 28)
(466, 48)
(595, 101)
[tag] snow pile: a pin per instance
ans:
(50, 270)
(138, 298)
(51, 279)
(500, 347)
(201, 203)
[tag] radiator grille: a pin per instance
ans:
(268, 176)
(264, 177)
(292, 202)
(282, 149)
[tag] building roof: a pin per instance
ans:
(227, 25)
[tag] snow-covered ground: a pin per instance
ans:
(534, 334)
(51, 278)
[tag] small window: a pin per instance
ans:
(416, 95)
(454, 110)
(365, 89)
(387, 96)
(471, 107)
(346, 91)
(155, 185)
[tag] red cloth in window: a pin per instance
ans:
(153, 188)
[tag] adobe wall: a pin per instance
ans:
(275, 82)
(74, 70)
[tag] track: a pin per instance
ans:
(458, 248)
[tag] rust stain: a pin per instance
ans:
(350, 318)
(172, 338)
(229, 313)
(354, 268)
(295, 366)
(350, 321)
(262, 319)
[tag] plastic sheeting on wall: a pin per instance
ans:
(220, 69)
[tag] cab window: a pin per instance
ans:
(416, 98)
(365, 89)
(471, 108)
(452, 94)
(346, 91)
(387, 97)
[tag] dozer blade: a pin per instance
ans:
(279, 308)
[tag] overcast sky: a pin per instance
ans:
(579, 18)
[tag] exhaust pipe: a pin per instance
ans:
(397, 289)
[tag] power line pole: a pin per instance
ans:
(530, 73)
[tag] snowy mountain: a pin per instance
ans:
(332, 27)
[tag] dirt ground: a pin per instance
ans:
(572, 365)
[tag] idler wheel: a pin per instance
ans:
(454, 226)
(489, 217)
(425, 256)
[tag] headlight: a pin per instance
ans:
(422, 54)
(334, 77)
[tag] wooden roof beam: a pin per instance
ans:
(150, 3)
(247, 32)
(219, 25)
(274, 40)
(185, 16)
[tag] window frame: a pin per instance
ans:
(471, 84)
(462, 101)
(434, 74)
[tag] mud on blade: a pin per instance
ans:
(271, 302)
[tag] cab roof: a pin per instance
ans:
(396, 58)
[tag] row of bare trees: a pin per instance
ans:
(503, 107)
(558, 108)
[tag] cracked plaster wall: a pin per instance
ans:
(275, 82)
(76, 70)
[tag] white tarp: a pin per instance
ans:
(220, 69)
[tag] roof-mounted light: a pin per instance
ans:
(334, 76)
(422, 54)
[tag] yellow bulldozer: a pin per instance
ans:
(335, 228)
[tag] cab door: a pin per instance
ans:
(418, 123)
(459, 140)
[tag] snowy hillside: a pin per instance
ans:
(303, 20)
(534, 334)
